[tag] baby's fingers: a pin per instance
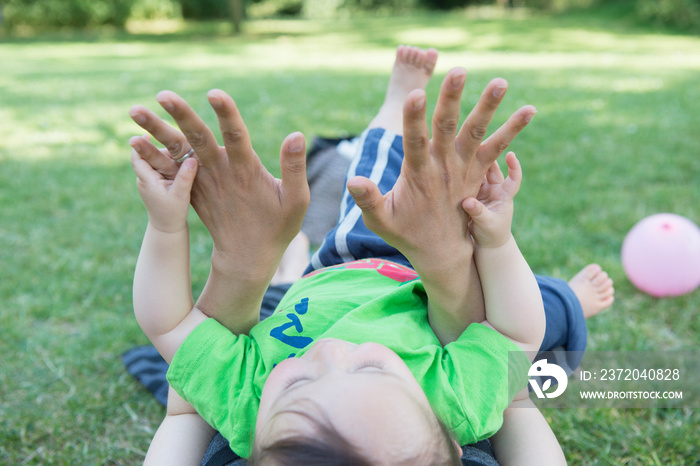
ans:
(144, 171)
(476, 210)
(515, 175)
(182, 185)
(162, 163)
(494, 175)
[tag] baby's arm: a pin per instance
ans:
(525, 437)
(514, 308)
(162, 291)
(511, 295)
(182, 437)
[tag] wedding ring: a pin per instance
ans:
(189, 154)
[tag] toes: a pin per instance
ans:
(591, 270)
(586, 274)
(607, 289)
(401, 53)
(406, 54)
(599, 280)
(431, 56)
(415, 56)
(607, 302)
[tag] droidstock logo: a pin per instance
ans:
(541, 370)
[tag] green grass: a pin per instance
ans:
(615, 140)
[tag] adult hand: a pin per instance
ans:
(251, 215)
(422, 215)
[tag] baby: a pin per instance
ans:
(381, 352)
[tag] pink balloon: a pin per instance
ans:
(661, 255)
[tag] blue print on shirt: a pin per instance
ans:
(302, 307)
(295, 341)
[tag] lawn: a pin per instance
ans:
(615, 139)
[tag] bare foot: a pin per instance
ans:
(413, 69)
(594, 289)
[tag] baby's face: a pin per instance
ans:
(366, 391)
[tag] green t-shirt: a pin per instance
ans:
(469, 382)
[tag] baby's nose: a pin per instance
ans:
(333, 352)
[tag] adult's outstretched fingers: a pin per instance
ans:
(369, 199)
(475, 126)
(293, 169)
(416, 137)
(446, 115)
(173, 139)
(233, 129)
(198, 135)
(499, 141)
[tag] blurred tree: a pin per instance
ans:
(373, 5)
(237, 14)
(66, 13)
(683, 14)
(156, 9)
(276, 8)
(205, 9)
(449, 4)
(510, 3)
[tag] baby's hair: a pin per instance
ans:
(328, 447)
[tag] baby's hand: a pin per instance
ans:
(167, 200)
(491, 212)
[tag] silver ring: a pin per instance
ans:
(189, 154)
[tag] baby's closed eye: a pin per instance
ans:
(369, 364)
